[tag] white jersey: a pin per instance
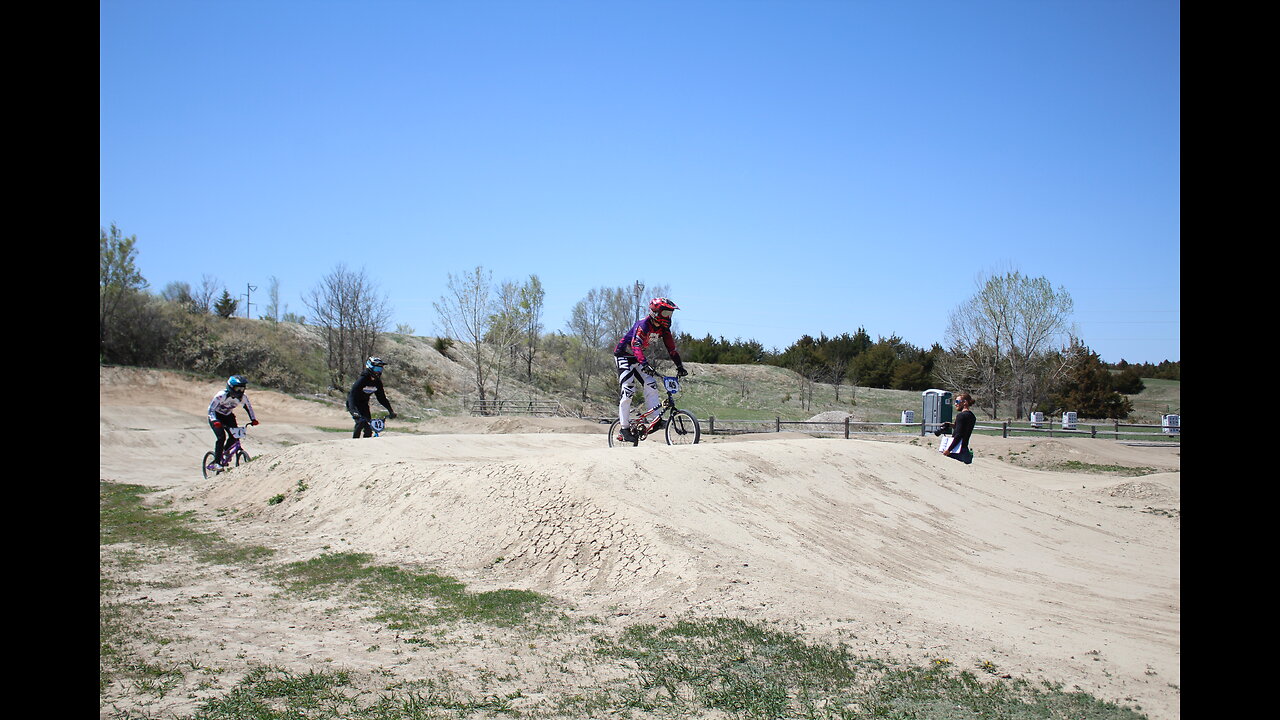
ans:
(224, 404)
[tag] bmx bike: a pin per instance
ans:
(680, 426)
(232, 452)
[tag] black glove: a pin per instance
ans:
(681, 372)
(391, 415)
(648, 369)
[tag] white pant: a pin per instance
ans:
(628, 371)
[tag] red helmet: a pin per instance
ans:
(660, 309)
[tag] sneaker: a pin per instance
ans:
(660, 425)
(627, 436)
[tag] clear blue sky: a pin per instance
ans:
(786, 167)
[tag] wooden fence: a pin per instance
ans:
(516, 407)
(848, 428)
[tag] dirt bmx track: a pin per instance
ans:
(884, 545)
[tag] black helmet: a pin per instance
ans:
(236, 384)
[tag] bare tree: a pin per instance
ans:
(347, 306)
(531, 299)
(273, 305)
(204, 298)
(1000, 336)
(629, 304)
(465, 313)
(506, 330)
(179, 293)
(590, 326)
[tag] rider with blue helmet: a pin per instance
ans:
(368, 384)
(222, 412)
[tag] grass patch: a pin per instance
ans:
(407, 600)
(747, 670)
(124, 517)
(273, 693)
(1084, 467)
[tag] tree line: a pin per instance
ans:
(1009, 344)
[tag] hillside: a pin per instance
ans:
(425, 382)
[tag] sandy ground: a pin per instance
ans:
(884, 545)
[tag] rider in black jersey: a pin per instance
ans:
(369, 383)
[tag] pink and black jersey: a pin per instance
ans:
(637, 339)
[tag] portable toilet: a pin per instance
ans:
(1171, 424)
(908, 416)
(1068, 421)
(937, 409)
(1037, 419)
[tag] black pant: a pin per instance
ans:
(362, 423)
(220, 434)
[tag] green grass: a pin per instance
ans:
(124, 517)
(269, 692)
(748, 670)
(761, 393)
(757, 392)
(407, 600)
(1158, 397)
(1084, 467)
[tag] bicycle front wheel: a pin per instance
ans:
(682, 428)
(614, 441)
(242, 457)
(209, 459)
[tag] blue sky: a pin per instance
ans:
(785, 167)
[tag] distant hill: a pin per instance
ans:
(427, 376)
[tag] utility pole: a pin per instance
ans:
(248, 289)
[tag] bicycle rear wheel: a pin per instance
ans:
(209, 459)
(615, 441)
(682, 428)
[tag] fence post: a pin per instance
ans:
(711, 426)
(846, 427)
(777, 423)
(1093, 431)
(1004, 429)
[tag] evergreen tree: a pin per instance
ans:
(226, 305)
(1087, 388)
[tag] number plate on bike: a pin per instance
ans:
(236, 432)
(377, 425)
(673, 385)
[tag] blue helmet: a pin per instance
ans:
(236, 384)
(375, 364)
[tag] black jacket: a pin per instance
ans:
(369, 383)
(965, 421)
